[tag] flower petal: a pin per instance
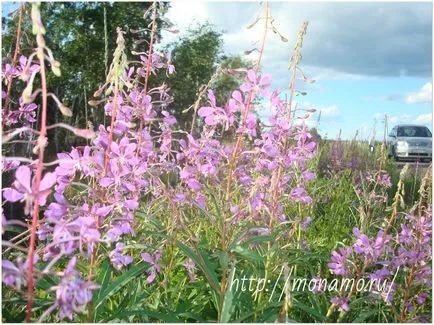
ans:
(23, 175)
(47, 181)
(205, 111)
(12, 195)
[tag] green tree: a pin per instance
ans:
(196, 56)
(82, 37)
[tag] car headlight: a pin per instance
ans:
(402, 144)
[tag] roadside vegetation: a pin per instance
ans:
(158, 209)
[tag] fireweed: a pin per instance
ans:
(403, 253)
(93, 196)
(95, 190)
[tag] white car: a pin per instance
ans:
(410, 142)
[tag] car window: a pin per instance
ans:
(413, 131)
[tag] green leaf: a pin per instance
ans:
(103, 278)
(166, 317)
(364, 316)
(120, 282)
(248, 254)
(227, 303)
(257, 239)
(203, 262)
(312, 312)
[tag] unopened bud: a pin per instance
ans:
(27, 94)
(65, 110)
(56, 71)
(84, 133)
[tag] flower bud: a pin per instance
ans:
(56, 71)
(65, 110)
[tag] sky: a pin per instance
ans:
(368, 60)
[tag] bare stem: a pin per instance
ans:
(234, 158)
(39, 166)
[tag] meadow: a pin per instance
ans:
(149, 222)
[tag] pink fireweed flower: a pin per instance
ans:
(256, 83)
(23, 188)
(212, 114)
(154, 65)
(15, 276)
(72, 293)
(342, 302)
(168, 118)
(299, 194)
(384, 180)
(155, 266)
(9, 164)
(339, 261)
(117, 258)
(190, 266)
(370, 250)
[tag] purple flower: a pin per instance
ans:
(16, 275)
(118, 259)
(155, 266)
(421, 298)
(9, 164)
(342, 302)
(168, 119)
(299, 194)
(305, 223)
(318, 284)
(384, 180)
(23, 190)
(371, 250)
(190, 266)
(72, 293)
(256, 83)
(339, 261)
(308, 175)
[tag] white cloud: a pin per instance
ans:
(329, 110)
(184, 14)
(424, 95)
(405, 118)
(424, 118)
(338, 44)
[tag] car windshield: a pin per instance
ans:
(414, 131)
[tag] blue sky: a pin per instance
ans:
(368, 59)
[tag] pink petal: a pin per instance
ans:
(105, 181)
(131, 204)
(102, 212)
(115, 148)
(251, 75)
(12, 195)
(210, 120)
(245, 88)
(237, 96)
(130, 149)
(151, 277)
(23, 175)
(47, 181)
(42, 196)
(205, 111)
(211, 97)
(147, 258)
